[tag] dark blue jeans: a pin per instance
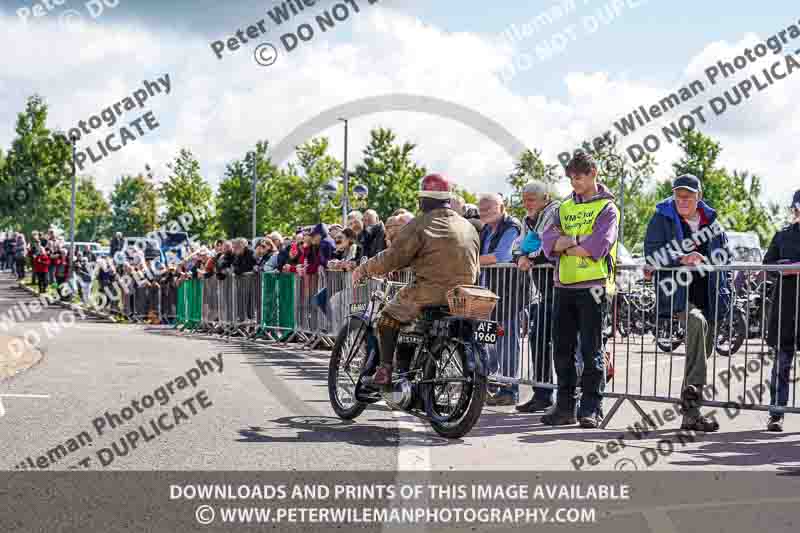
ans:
(578, 313)
(779, 383)
(504, 356)
(540, 346)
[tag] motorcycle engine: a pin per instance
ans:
(401, 396)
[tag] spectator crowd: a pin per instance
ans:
(568, 315)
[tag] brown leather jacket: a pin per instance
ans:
(440, 246)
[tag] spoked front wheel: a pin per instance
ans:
(350, 354)
(453, 395)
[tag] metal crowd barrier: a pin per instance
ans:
(648, 354)
(246, 290)
(650, 339)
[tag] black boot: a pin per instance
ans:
(563, 414)
(557, 417)
(534, 405)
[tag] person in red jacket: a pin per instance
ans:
(61, 271)
(41, 263)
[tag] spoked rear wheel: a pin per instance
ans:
(670, 335)
(348, 358)
(731, 337)
(454, 400)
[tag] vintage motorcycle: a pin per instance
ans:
(440, 374)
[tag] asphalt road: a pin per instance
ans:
(268, 410)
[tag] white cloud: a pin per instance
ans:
(219, 109)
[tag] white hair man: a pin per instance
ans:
(541, 206)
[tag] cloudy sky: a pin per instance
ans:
(606, 63)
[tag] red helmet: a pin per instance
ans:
(434, 186)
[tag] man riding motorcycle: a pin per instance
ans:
(441, 247)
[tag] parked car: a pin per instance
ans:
(150, 247)
(82, 247)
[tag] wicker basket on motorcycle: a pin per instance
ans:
(471, 301)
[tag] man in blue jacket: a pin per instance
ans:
(684, 231)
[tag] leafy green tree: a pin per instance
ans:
(469, 197)
(134, 205)
(614, 169)
(389, 173)
(185, 191)
(234, 200)
(276, 206)
(38, 160)
(735, 196)
(92, 211)
(529, 167)
(317, 169)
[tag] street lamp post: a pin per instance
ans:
(330, 190)
(255, 182)
(72, 201)
(614, 164)
(345, 178)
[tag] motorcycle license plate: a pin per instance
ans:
(358, 308)
(485, 332)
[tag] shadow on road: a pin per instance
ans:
(323, 430)
(727, 449)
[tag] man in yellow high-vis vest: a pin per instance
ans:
(583, 241)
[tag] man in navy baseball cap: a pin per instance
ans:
(688, 182)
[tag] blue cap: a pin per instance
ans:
(796, 200)
(320, 229)
(688, 182)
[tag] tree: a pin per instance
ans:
(639, 204)
(736, 197)
(469, 198)
(318, 169)
(38, 160)
(529, 167)
(234, 201)
(134, 205)
(92, 212)
(185, 191)
(276, 196)
(389, 173)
